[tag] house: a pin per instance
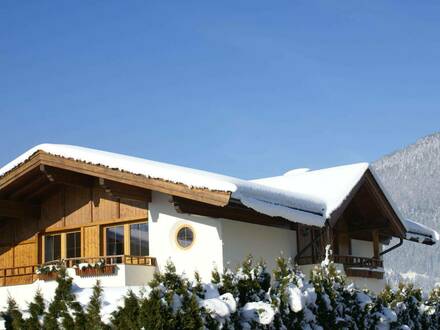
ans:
(84, 206)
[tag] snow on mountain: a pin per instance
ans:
(412, 178)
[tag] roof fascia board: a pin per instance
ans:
(218, 198)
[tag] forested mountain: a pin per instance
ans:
(412, 177)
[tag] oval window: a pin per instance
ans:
(185, 237)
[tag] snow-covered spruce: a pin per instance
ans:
(247, 298)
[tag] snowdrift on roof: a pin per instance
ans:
(331, 185)
(294, 206)
(420, 233)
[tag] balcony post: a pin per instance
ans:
(376, 244)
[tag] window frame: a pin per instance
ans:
(44, 247)
(129, 238)
(176, 236)
(80, 243)
(104, 236)
(63, 244)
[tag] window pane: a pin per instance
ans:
(52, 248)
(185, 237)
(115, 240)
(139, 239)
(73, 245)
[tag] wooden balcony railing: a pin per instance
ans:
(28, 274)
(347, 261)
(16, 275)
(107, 260)
(352, 261)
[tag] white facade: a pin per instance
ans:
(362, 248)
(226, 243)
(217, 243)
(263, 242)
(164, 222)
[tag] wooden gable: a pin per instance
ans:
(27, 177)
(365, 209)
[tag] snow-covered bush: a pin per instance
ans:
(247, 298)
(47, 269)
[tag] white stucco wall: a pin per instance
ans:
(202, 256)
(263, 242)
(138, 274)
(217, 241)
(361, 248)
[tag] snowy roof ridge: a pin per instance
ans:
(332, 185)
(419, 232)
(273, 201)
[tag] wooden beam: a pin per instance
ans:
(55, 175)
(376, 243)
(123, 191)
(14, 209)
(231, 212)
(28, 188)
(41, 191)
(19, 171)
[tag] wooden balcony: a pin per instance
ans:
(353, 266)
(28, 274)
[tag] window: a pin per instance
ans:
(114, 240)
(73, 241)
(185, 237)
(139, 239)
(52, 247)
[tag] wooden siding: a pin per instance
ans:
(69, 208)
(91, 242)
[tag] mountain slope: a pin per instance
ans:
(412, 177)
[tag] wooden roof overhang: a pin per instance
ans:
(235, 210)
(365, 209)
(34, 178)
(27, 182)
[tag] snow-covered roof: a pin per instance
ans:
(331, 185)
(292, 205)
(300, 195)
(420, 233)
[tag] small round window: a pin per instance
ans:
(185, 237)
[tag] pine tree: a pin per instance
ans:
(93, 313)
(59, 307)
(286, 276)
(155, 313)
(432, 311)
(128, 317)
(189, 315)
(36, 310)
(406, 303)
(13, 317)
(198, 286)
(326, 280)
(80, 316)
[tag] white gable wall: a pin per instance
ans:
(217, 241)
(263, 242)
(362, 248)
(164, 223)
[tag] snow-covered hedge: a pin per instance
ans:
(248, 298)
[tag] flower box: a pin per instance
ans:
(49, 276)
(95, 271)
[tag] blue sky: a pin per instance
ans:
(245, 88)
